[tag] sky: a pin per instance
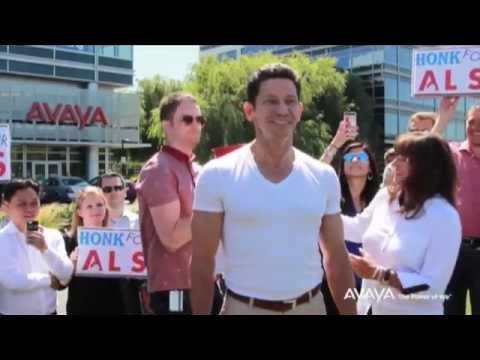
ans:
(169, 61)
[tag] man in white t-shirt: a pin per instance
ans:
(274, 208)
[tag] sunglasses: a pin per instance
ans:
(361, 156)
(109, 189)
(188, 119)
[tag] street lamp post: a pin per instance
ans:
(124, 158)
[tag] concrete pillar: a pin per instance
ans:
(92, 162)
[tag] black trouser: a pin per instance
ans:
(466, 276)
(129, 289)
(160, 301)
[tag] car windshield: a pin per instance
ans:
(74, 181)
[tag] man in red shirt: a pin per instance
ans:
(165, 194)
(466, 275)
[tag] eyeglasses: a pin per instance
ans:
(361, 156)
(109, 189)
(188, 119)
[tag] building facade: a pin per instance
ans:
(65, 109)
(385, 71)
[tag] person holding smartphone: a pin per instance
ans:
(411, 237)
(359, 182)
(33, 260)
(347, 131)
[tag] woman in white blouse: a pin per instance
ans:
(410, 233)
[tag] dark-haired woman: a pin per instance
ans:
(359, 184)
(410, 234)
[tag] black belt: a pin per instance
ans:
(471, 241)
(280, 306)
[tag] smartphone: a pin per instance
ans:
(351, 118)
(32, 225)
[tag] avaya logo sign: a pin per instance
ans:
(66, 114)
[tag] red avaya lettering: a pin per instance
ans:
(83, 117)
(68, 115)
(99, 116)
(52, 118)
(35, 113)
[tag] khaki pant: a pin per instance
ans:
(315, 306)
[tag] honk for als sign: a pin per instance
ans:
(110, 253)
(446, 71)
(5, 145)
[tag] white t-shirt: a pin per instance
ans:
(422, 251)
(271, 231)
(128, 220)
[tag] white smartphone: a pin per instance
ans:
(351, 118)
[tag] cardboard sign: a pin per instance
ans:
(5, 147)
(446, 71)
(104, 252)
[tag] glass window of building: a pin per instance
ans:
(106, 50)
(405, 57)
(378, 56)
(391, 87)
(125, 52)
(391, 124)
(232, 54)
(404, 90)
(391, 55)
(403, 122)
(470, 102)
(362, 56)
(343, 58)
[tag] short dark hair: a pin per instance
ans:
(432, 171)
(169, 104)
(110, 175)
(19, 184)
(267, 72)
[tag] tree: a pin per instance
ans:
(220, 87)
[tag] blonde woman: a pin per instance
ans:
(91, 296)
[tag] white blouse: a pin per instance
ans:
(422, 251)
(24, 272)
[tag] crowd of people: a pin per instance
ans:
(268, 229)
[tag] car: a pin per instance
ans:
(131, 191)
(61, 188)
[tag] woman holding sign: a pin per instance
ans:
(88, 295)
